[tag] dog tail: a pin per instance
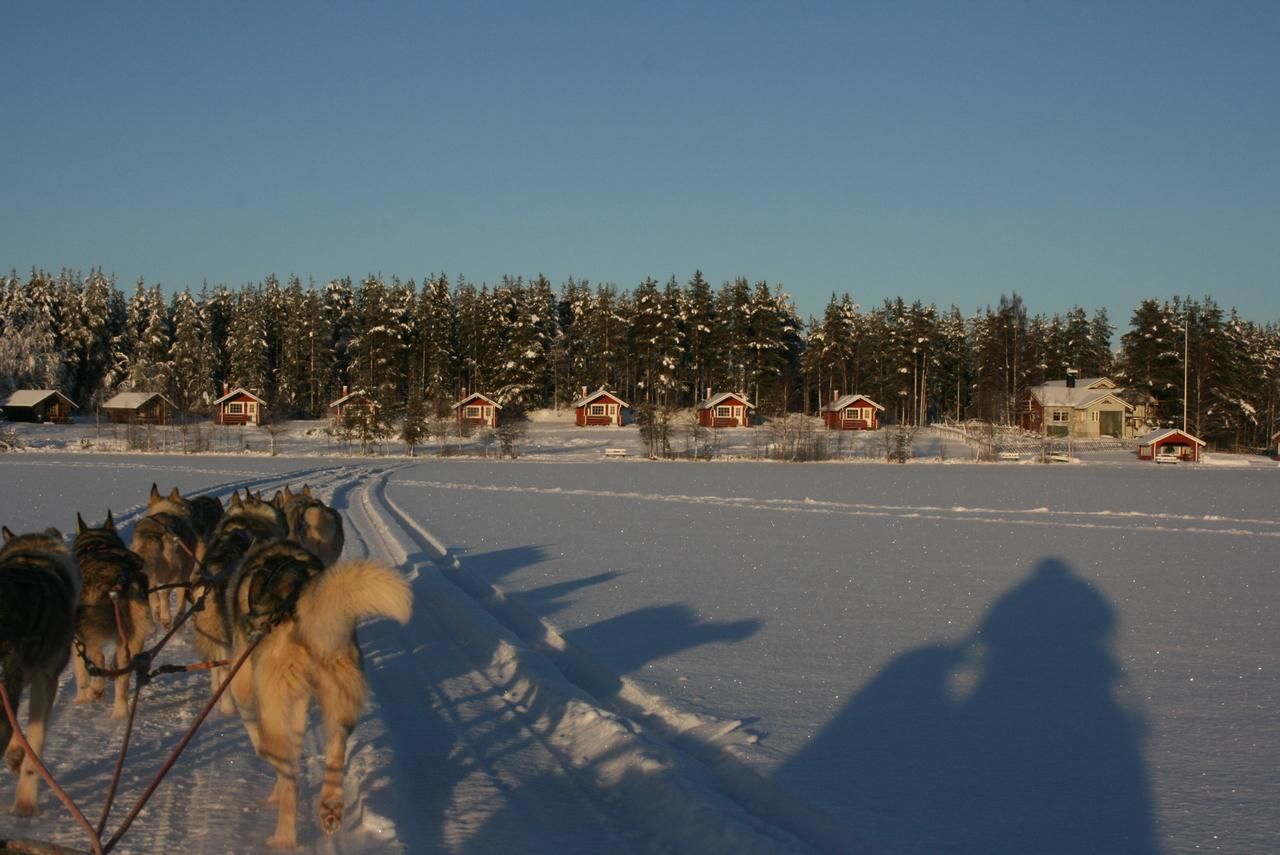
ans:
(337, 598)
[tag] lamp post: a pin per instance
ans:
(1186, 351)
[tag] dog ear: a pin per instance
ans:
(81, 528)
(235, 499)
(306, 490)
(155, 495)
(8, 535)
(53, 532)
(110, 524)
(174, 495)
(278, 500)
(288, 494)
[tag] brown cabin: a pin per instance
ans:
(476, 410)
(144, 408)
(599, 408)
(726, 410)
(852, 412)
(239, 407)
(38, 405)
(351, 404)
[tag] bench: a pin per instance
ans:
(615, 452)
(1009, 455)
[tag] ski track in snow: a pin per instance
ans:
(472, 740)
(1136, 521)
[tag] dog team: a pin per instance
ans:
(271, 591)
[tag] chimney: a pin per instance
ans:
(1071, 378)
(464, 393)
(708, 393)
(344, 391)
(584, 392)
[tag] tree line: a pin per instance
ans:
(415, 348)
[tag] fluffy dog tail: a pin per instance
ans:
(337, 598)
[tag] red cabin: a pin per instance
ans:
(476, 410)
(599, 408)
(852, 412)
(239, 407)
(1170, 445)
(726, 410)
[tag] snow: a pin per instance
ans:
(737, 656)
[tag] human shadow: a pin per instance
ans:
(1016, 739)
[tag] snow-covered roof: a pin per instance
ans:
(1059, 394)
(355, 393)
(724, 396)
(587, 399)
(468, 399)
(239, 390)
(134, 400)
(1165, 433)
(1086, 383)
(35, 397)
(849, 400)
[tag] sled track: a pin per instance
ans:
(676, 778)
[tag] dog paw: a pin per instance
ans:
(331, 817)
(119, 712)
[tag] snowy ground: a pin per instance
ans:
(636, 656)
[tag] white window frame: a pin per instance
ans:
(1060, 417)
(472, 411)
(235, 408)
(596, 410)
(724, 412)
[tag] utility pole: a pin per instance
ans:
(1186, 351)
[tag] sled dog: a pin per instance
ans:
(39, 586)
(247, 524)
(166, 541)
(106, 566)
(307, 614)
(312, 523)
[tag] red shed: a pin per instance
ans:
(1169, 445)
(476, 410)
(852, 412)
(239, 407)
(599, 408)
(728, 409)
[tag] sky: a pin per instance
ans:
(1090, 154)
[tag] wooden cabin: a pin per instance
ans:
(599, 408)
(239, 407)
(38, 405)
(726, 410)
(352, 405)
(476, 410)
(144, 408)
(852, 412)
(1275, 445)
(1170, 445)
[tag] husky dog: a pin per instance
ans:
(248, 523)
(206, 511)
(39, 586)
(312, 523)
(308, 614)
(106, 566)
(166, 540)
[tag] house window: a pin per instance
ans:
(857, 414)
(1093, 416)
(597, 410)
(235, 408)
(724, 412)
(472, 412)
(1061, 415)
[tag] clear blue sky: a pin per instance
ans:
(1075, 152)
